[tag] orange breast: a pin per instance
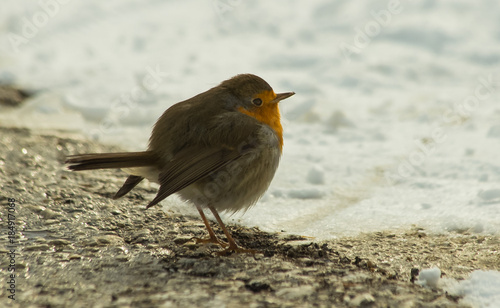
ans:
(268, 114)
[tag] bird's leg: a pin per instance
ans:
(232, 244)
(213, 238)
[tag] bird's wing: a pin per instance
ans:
(192, 164)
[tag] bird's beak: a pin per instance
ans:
(282, 96)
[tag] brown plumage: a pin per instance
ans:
(219, 149)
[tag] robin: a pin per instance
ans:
(218, 150)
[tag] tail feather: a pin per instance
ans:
(130, 183)
(110, 160)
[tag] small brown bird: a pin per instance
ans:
(219, 150)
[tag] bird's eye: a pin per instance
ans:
(257, 102)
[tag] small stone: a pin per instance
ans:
(295, 293)
(41, 247)
(191, 245)
(258, 286)
(151, 246)
(51, 221)
(182, 239)
(121, 258)
(91, 242)
(414, 274)
(59, 242)
(108, 239)
(141, 236)
(20, 265)
(362, 300)
(35, 208)
(116, 212)
(50, 214)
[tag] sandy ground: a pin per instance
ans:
(76, 247)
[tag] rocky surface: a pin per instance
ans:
(76, 247)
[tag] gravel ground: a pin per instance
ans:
(76, 247)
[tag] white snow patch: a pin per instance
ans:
(481, 290)
(429, 277)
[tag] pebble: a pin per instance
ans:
(116, 212)
(50, 214)
(140, 236)
(295, 293)
(108, 239)
(182, 239)
(121, 258)
(52, 221)
(362, 300)
(59, 242)
(41, 247)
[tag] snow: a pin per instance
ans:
(395, 120)
(480, 290)
(429, 277)
(316, 175)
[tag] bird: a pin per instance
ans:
(218, 150)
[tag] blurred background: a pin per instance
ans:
(396, 120)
